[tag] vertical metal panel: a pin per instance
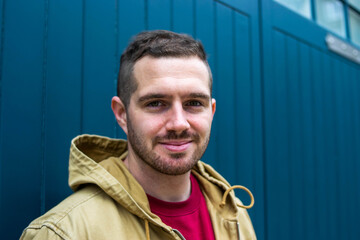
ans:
(320, 201)
(159, 14)
(1, 84)
(63, 94)
(247, 127)
(244, 91)
(345, 150)
(300, 99)
(225, 91)
(351, 140)
(2, 15)
(99, 64)
(307, 111)
(278, 220)
(354, 166)
(295, 115)
(183, 16)
(236, 140)
(352, 152)
(21, 115)
(131, 20)
(134, 12)
(329, 140)
(342, 160)
(311, 129)
(205, 30)
(69, 61)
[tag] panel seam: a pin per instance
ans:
(43, 109)
(82, 68)
(117, 57)
(1, 79)
(194, 18)
(217, 152)
(263, 115)
(235, 84)
(146, 14)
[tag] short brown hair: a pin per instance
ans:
(158, 43)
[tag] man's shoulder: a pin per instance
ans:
(89, 213)
(77, 210)
(71, 204)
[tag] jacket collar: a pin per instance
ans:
(98, 160)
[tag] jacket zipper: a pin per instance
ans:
(238, 230)
(179, 234)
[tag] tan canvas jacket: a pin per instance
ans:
(109, 203)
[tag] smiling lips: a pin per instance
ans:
(176, 146)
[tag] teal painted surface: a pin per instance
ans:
(311, 131)
(22, 104)
(63, 91)
(287, 120)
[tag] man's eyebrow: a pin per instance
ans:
(152, 96)
(199, 95)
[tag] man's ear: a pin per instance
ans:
(213, 106)
(120, 113)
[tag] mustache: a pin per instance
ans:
(172, 135)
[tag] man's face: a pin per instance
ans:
(170, 114)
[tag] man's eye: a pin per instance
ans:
(155, 104)
(194, 103)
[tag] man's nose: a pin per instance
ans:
(177, 119)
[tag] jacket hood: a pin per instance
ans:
(98, 160)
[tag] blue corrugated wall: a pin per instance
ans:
(311, 132)
(287, 120)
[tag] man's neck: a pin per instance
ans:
(161, 186)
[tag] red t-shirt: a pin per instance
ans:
(191, 217)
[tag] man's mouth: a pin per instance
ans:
(176, 146)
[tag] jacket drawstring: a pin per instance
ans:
(222, 204)
(147, 230)
(239, 205)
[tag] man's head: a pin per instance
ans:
(157, 44)
(165, 105)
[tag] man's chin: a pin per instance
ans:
(177, 156)
(176, 163)
(174, 170)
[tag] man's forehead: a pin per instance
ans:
(150, 68)
(176, 68)
(154, 65)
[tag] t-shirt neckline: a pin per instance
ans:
(172, 209)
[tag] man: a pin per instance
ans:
(153, 186)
